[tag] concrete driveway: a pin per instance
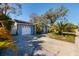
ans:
(52, 47)
(44, 46)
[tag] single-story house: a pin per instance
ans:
(20, 27)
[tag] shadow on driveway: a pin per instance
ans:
(28, 45)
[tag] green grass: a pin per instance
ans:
(70, 38)
(66, 37)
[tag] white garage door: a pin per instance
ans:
(26, 30)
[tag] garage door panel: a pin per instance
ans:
(26, 30)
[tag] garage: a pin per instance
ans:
(22, 28)
(26, 30)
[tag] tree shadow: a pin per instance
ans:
(28, 45)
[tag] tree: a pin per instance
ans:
(6, 20)
(55, 14)
(36, 20)
(65, 27)
(70, 27)
(49, 18)
(6, 40)
(60, 27)
(7, 8)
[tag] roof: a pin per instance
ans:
(23, 22)
(20, 21)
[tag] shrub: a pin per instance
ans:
(6, 40)
(6, 21)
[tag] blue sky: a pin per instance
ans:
(40, 8)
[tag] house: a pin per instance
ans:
(20, 27)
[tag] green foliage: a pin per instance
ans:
(48, 18)
(8, 24)
(7, 8)
(52, 29)
(60, 26)
(67, 38)
(5, 37)
(39, 28)
(6, 40)
(4, 17)
(6, 20)
(63, 31)
(55, 14)
(70, 27)
(36, 20)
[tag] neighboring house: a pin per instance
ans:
(22, 27)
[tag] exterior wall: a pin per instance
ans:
(14, 28)
(45, 29)
(33, 30)
(21, 29)
(24, 29)
(18, 29)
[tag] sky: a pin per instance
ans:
(41, 8)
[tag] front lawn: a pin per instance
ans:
(66, 37)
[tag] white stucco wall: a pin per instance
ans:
(21, 29)
(14, 28)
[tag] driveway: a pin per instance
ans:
(53, 47)
(27, 45)
(44, 46)
(77, 38)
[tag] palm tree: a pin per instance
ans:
(60, 26)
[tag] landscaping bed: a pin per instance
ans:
(65, 37)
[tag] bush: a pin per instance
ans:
(6, 40)
(5, 37)
(6, 21)
(67, 37)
